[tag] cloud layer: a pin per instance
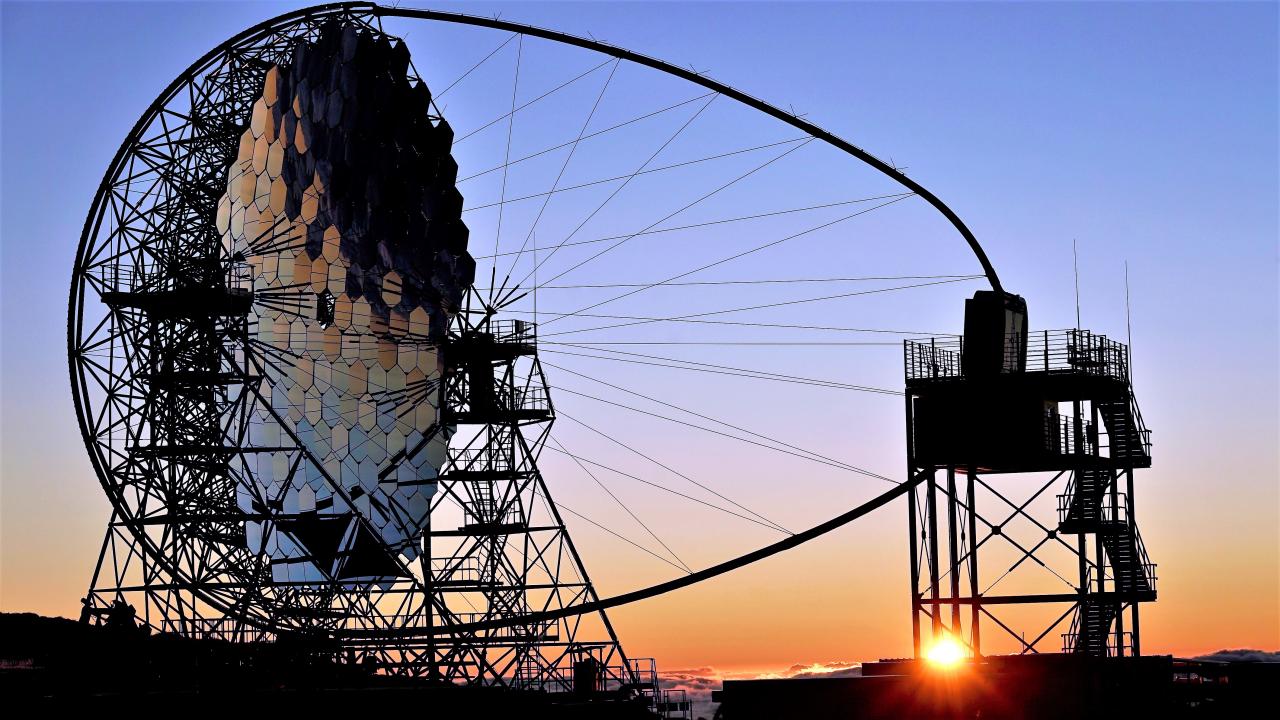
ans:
(1243, 655)
(699, 682)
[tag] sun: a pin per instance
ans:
(946, 653)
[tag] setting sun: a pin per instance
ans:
(945, 653)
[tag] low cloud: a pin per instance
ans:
(699, 682)
(1243, 655)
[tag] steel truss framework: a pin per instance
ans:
(166, 375)
(510, 555)
(164, 378)
(1088, 454)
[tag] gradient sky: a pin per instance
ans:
(1147, 132)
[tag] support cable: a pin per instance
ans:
(743, 323)
(761, 518)
(565, 166)
(798, 539)
(641, 523)
(730, 258)
(772, 281)
(732, 343)
(722, 370)
(515, 109)
(681, 209)
(821, 461)
(477, 65)
(650, 171)
(621, 537)
(515, 86)
(615, 192)
(660, 486)
(711, 419)
(764, 306)
(597, 133)
(739, 218)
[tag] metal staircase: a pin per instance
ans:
(1080, 508)
(1091, 505)
(1091, 629)
(1130, 440)
(1132, 572)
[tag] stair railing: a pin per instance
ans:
(1138, 428)
(1124, 642)
(1119, 514)
(1061, 437)
(1066, 500)
(1072, 498)
(1071, 638)
(1148, 567)
(1139, 425)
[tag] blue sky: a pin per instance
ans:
(1147, 132)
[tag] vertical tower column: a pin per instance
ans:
(509, 553)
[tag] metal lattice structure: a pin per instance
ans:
(1041, 411)
(268, 393)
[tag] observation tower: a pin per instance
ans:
(1004, 401)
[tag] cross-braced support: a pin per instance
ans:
(503, 551)
(1053, 418)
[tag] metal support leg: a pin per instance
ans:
(914, 532)
(974, 591)
(931, 509)
(1115, 514)
(1133, 520)
(915, 572)
(953, 551)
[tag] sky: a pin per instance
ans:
(1144, 133)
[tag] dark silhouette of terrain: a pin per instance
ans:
(56, 662)
(55, 656)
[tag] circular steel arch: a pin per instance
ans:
(750, 101)
(319, 12)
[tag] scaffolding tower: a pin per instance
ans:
(1000, 400)
(504, 553)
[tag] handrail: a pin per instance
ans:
(474, 459)
(1061, 437)
(1055, 351)
(1148, 567)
